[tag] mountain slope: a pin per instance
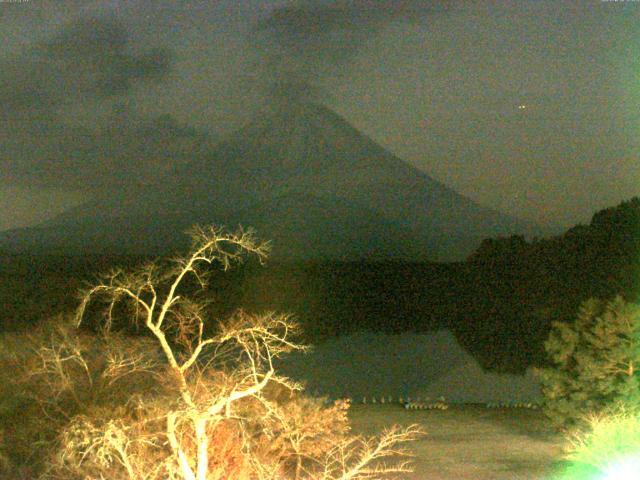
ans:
(301, 175)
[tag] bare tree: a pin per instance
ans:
(220, 395)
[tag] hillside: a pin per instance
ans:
(305, 178)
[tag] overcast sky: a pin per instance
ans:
(530, 107)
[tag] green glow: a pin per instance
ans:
(627, 468)
(609, 451)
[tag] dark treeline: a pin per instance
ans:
(515, 289)
(33, 287)
(500, 303)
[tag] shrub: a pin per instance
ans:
(594, 362)
(56, 372)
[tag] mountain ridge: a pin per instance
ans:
(310, 154)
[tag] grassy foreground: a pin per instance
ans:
(471, 442)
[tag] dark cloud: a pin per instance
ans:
(311, 22)
(307, 40)
(89, 66)
(89, 58)
(98, 49)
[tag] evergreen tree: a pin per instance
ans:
(594, 362)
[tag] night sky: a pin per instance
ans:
(529, 107)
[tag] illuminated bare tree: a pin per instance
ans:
(220, 395)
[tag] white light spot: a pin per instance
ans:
(626, 469)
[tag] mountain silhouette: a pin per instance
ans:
(305, 179)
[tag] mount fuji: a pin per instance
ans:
(304, 178)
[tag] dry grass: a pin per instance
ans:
(472, 442)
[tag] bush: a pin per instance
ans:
(55, 373)
(594, 363)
